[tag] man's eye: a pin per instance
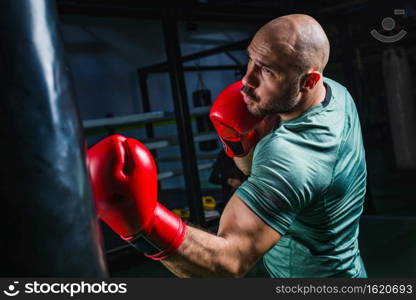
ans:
(267, 71)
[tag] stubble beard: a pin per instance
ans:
(286, 103)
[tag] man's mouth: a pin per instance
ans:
(247, 99)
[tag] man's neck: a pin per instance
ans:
(316, 96)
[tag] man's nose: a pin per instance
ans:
(250, 79)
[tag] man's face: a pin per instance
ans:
(271, 85)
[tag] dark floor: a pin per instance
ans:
(388, 246)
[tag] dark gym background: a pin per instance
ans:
(141, 71)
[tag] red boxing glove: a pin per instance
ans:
(124, 183)
(237, 128)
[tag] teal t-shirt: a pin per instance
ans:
(307, 182)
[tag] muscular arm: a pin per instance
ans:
(241, 241)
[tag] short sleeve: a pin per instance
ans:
(280, 184)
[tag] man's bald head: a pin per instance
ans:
(286, 59)
(297, 39)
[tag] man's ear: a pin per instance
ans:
(311, 79)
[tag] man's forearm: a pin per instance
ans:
(244, 163)
(203, 254)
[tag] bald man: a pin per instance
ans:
(299, 209)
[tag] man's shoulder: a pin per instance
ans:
(297, 153)
(340, 96)
(288, 149)
(278, 159)
(336, 88)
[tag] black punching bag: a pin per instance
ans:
(48, 224)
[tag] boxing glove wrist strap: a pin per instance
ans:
(164, 237)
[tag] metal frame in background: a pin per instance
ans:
(183, 120)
